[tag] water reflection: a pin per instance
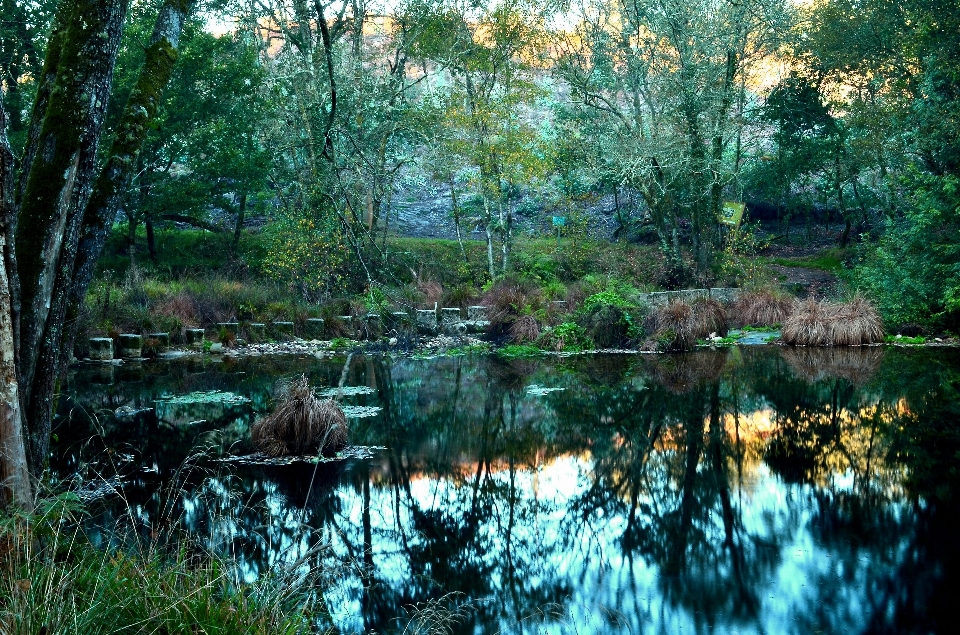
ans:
(742, 490)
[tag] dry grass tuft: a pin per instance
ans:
(524, 329)
(760, 308)
(823, 323)
(431, 293)
(507, 300)
(856, 365)
(678, 325)
(301, 424)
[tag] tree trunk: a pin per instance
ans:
(15, 485)
(241, 212)
(57, 191)
(151, 239)
(489, 231)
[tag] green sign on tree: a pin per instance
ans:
(731, 213)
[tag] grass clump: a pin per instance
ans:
(54, 580)
(905, 339)
(760, 309)
(301, 424)
(678, 325)
(823, 323)
(516, 351)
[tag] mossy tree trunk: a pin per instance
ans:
(63, 212)
(108, 193)
(57, 190)
(15, 485)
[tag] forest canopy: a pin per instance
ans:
(317, 118)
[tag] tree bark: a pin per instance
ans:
(57, 190)
(15, 485)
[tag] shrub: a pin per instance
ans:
(524, 329)
(569, 336)
(301, 424)
(678, 325)
(823, 323)
(760, 308)
(507, 300)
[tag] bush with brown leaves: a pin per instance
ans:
(524, 329)
(301, 424)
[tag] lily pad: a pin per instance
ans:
(346, 391)
(359, 412)
(537, 390)
(349, 452)
(207, 397)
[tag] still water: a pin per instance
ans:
(751, 490)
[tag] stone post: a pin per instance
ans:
(101, 349)
(131, 345)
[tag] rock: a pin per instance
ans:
(193, 336)
(282, 330)
(216, 347)
(101, 349)
(131, 345)
(477, 326)
(427, 321)
(477, 312)
(313, 328)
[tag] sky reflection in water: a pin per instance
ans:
(733, 491)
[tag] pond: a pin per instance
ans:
(744, 490)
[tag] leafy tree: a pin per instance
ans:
(664, 84)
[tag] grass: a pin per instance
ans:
(903, 339)
(301, 424)
(830, 260)
(53, 580)
(678, 325)
(823, 323)
(518, 351)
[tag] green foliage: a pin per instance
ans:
(514, 351)
(53, 580)
(566, 337)
(307, 253)
(913, 271)
(902, 339)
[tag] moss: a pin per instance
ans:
(65, 124)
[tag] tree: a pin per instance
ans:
(663, 83)
(490, 55)
(64, 208)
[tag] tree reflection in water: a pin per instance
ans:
(742, 490)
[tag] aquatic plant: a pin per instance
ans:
(301, 424)
(823, 323)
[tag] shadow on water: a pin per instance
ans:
(737, 490)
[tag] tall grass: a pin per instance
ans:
(53, 580)
(301, 424)
(760, 308)
(678, 325)
(823, 323)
